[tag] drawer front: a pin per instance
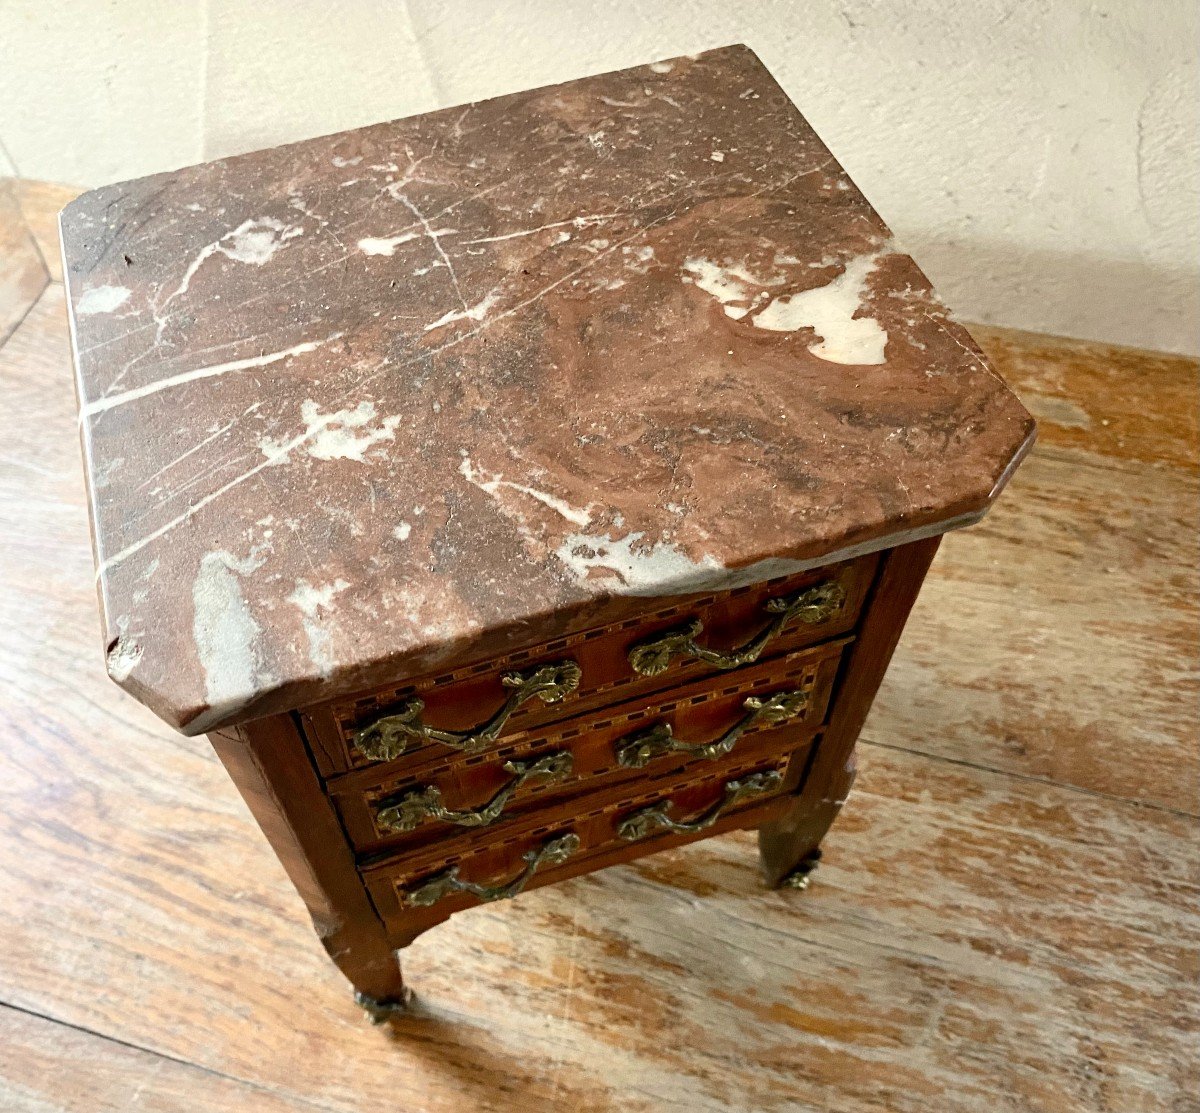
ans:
(765, 708)
(592, 832)
(476, 708)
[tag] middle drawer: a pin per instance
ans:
(700, 722)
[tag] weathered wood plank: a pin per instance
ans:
(22, 274)
(1060, 638)
(40, 204)
(102, 1076)
(1101, 400)
(975, 941)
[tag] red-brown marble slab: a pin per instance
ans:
(369, 403)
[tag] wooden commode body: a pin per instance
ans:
(518, 489)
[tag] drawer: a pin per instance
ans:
(765, 708)
(473, 708)
(598, 830)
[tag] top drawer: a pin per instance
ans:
(471, 708)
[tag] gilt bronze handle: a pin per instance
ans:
(413, 808)
(389, 736)
(552, 853)
(657, 817)
(638, 750)
(811, 606)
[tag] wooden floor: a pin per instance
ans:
(1007, 918)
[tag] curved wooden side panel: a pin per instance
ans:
(270, 765)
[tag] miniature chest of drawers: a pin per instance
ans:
(517, 489)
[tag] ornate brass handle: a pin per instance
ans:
(388, 737)
(811, 606)
(638, 750)
(552, 853)
(656, 818)
(413, 808)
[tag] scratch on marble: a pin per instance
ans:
(463, 337)
(576, 222)
(279, 452)
(196, 447)
(220, 492)
(434, 236)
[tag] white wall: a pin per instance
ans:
(1038, 157)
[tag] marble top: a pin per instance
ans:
(390, 399)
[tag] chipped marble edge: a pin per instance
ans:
(287, 696)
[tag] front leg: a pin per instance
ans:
(790, 846)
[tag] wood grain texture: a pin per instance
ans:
(108, 1077)
(1101, 400)
(40, 203)
(1060, 638)
(268, 763)
(795, 838)
(23, 275)
(1014, 938)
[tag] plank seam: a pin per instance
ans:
(170, 1058)
(1033, 778)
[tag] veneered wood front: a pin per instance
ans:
(795, 836)
(696, 714)
(271, 768)
(464, 697)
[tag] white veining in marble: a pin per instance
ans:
(102, 299)
(730, 283)
(631, 566)
(253, 242)
(385, 245)
(475, 312)
(833, 311)
(108, 401)
(226, 633)
(347, 434)
(493, 483)
(830, 311)
(316, 606)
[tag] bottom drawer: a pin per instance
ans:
(415, 891)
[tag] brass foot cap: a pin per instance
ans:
(799, 877)
(378, 1010)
